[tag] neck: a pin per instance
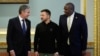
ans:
(47, 21)
(71, 13)
(22, 16)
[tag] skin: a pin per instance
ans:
(25, 13)
(68, 10)
(45, 17)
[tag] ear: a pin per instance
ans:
(48, 16)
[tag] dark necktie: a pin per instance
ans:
(23, 26)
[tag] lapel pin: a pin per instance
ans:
(76, 17)
(51, 29)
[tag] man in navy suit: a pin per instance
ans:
(73, 29)
(18, 33)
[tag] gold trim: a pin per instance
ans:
(90, 45)
(85, 5)
(97, 27)
(3, 31)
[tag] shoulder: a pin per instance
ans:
(78, 14)
(63, 15)
(13, 19)
(53, 23)
(28, 20)
(38, 25)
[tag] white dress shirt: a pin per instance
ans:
(70, 21)
(69, 24)
(21, 22)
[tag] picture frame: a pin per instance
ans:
(14, 1)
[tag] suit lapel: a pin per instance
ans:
(27, 25)
(65, 22)
(74, 20)
(19, 24)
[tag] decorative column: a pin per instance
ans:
(97, 27)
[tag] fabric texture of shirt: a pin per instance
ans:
(46, 37)
(69, 24)
(70, 21)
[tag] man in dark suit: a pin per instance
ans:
(73, 29)
(18, 33)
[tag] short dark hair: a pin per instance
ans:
(47, 11)
(22, 8)
(71, 4)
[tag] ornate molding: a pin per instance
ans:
(3, 31)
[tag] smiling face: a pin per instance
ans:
(69, 9)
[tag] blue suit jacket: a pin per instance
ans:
(77, 35)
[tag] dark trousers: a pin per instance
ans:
(67, 52)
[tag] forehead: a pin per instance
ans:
(27, 9)
(68, 6)
(43, 13)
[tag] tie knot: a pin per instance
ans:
(22, 20)
(23, 26)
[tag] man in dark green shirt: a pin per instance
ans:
(46, 39)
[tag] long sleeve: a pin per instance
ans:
(29, 38)
(9, 35)
(61, 38)
(57, 33)
(36, 38)
(84, 33)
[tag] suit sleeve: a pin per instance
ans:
(36, 39)
(84, 33)
(60, 40)
(57, 33)
(9, 35)
(29, 37)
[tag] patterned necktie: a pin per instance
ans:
(23, 26)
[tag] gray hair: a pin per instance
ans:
(22, 8)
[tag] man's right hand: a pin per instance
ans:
(12, 53)
(36, 53)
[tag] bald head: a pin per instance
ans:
(69, 9)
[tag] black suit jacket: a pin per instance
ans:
(77, 35)
(16, 40)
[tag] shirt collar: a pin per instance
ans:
(72, 14)
(20, 18)
(48, 23)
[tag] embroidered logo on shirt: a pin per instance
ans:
(76, 17)
(51, 29)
